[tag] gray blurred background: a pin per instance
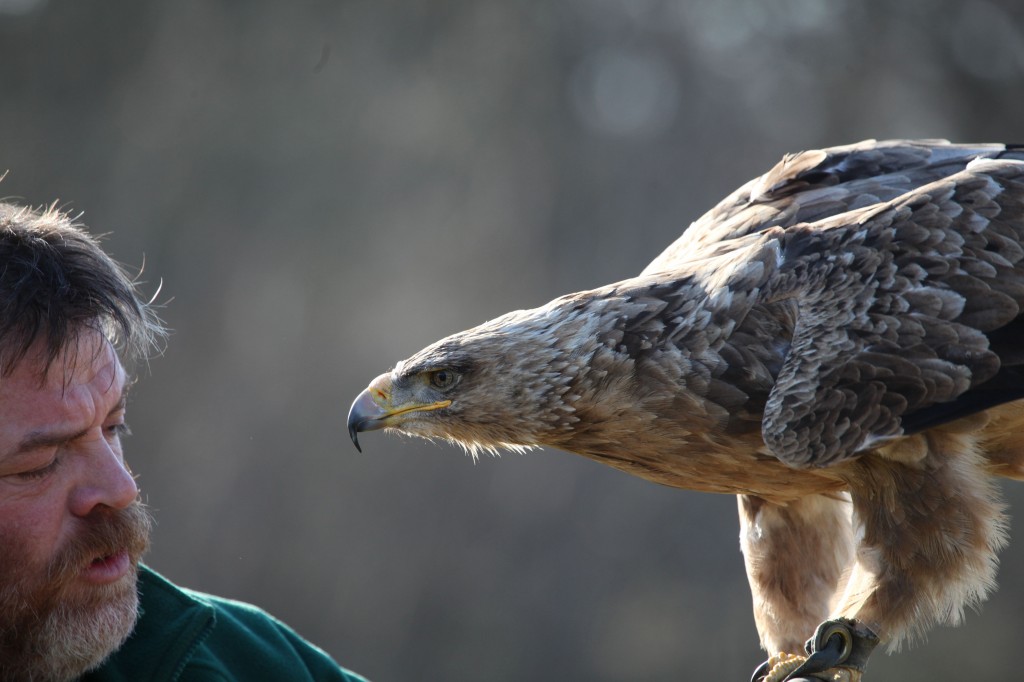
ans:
(325, 187)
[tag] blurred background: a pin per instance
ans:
(325, 187)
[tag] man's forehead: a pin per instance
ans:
(88, 359)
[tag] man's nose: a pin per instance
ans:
(104, 480)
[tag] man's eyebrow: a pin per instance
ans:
(36, 440)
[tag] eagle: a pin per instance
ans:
(839, 343)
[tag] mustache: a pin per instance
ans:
(106, 531)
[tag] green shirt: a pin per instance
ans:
(186, 636)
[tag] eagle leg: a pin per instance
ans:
(931, 531)
(792, 588)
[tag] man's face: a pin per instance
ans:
(71, 528)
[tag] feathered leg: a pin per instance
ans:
(795, 557)
(931, 530)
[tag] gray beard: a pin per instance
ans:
(53, 630)
(71, 640)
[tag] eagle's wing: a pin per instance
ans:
(813, 185)
(909, 314)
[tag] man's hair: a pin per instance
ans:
(56, 283)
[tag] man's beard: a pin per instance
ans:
(53, 627)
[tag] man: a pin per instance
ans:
(75, 603)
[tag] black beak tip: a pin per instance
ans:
(353, 433)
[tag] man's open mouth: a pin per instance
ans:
(108, 568)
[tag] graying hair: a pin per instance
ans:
(56, 282)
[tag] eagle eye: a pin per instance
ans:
(443, 378)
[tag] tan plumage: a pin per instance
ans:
(840, 342)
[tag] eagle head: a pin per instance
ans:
(503, 384)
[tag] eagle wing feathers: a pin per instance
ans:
(893, 314)
(812, 185)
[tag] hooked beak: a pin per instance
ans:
(373, 408)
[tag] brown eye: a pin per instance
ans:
(443, 378)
